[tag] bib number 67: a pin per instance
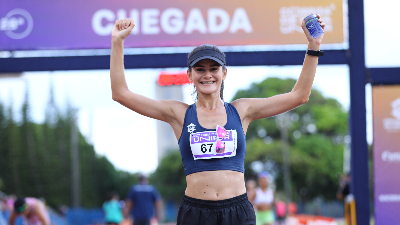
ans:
(206, 147)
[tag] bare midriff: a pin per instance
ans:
(215, 185)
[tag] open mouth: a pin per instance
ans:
(210, 82)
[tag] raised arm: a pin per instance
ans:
(40, 210)
(12, 218)
(169, 111)
(256, 108)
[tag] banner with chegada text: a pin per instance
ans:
(87, 24)
(386, 153)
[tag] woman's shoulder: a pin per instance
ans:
(178, 108)
(177, 105)
(240, 104)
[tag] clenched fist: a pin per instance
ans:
(122, 28)
(310, 39)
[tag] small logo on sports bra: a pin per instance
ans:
(191, 128)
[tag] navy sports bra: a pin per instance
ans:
(197, 144)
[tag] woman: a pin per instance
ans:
(211, 132)
(251, 187)
(264, 201)
(32, 210)
(112, 209)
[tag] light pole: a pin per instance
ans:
(284, 122)
(75, 168)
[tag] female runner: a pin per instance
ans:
(32, 210)
(211, 132)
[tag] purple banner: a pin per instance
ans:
(386, 154)
(87, 24)
(210, 136)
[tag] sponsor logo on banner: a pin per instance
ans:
(393, 124)
(389, 198)
(389, 156)
(17, 24)
(291, 17)
(172, 21)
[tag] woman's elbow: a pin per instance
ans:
(304, 100)
(301, 98)
(116, 97)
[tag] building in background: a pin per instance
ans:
(168, 87)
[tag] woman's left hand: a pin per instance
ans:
(311, 40)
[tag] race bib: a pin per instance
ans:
(203, 145)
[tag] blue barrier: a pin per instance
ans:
(6, 215)
(54, 217)
(79, 216)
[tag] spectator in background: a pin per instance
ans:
(141, 201)
(251, 190)
(10, 202)
(32, 210)
(344, 188)
(292, 209)
(280, 209)
(112, 209)
(3, 198)
(264, 201)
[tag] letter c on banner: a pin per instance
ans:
(172, 21)
(97, 22)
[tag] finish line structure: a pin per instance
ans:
(354, 57)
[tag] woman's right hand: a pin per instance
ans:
(122, 28)
(313, 41)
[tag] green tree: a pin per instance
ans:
(35, 159)
(316, 140)
(169, 177)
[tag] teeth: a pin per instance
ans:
(208, 82)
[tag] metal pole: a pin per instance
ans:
(75, 170)
(283, 124)
(359, 184)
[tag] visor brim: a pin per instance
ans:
(206, 57)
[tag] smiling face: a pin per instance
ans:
(207, 76)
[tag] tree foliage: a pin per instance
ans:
(35, 160)
(169, 177)
(316, 140)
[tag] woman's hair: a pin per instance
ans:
(205, 46)
(111, 195)
(20, 205)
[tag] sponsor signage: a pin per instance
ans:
(170, 78)
(73, 24)
(386, 153)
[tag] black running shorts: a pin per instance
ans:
(233, 211)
